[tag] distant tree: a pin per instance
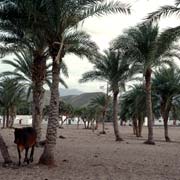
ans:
(166, 84)
(25, 108)
(65, 110)
(23, 64)
(175, 110)
(77, 113)
(12, 94)
(134, 108)
(100, 104)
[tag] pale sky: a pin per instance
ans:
(103, 30)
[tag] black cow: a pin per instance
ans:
(25, 138)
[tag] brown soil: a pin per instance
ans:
(86, 155)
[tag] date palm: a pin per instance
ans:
(133, 107)
(112, 68)
(22, 32)
(23, 72)
(100, 103)
(22, 64)
(147, 48)
(166, 84)
(63, 16)
(66, 110)
(175, 113)
(11, 95)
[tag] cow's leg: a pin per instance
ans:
(31, 155)
(19, 153)
(26, 156)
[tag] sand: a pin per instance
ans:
(86, 155)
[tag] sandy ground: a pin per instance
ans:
(87, 155)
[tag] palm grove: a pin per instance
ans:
(36, 31)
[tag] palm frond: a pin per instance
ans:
(166, 39)
(164, 11)
(105, 8)
(177, 2)
(63, 82)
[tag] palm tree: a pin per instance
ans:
(11, 95)
(133, 107)
(112, 68)
(100, 104)
(80, 44)
(22, 64)
(89, 116)
(66, 110)
(23, 72)
(64, 15)
(22, 32)
(146, 48)
(166, 84)
(77, 113)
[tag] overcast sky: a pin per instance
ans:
(103, 30)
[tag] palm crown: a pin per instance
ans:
(145, 47)
(110, 67)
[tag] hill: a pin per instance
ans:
(75, 100)
(80, 100)
(67, 92)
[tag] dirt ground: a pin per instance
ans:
(86, 155)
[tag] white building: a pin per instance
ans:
(23, 119)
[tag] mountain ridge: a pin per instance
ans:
(81, 100)
(67, 92)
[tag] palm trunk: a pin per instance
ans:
(4, 119)
(4, 151)
(140, 125)
(97, 123)
(174, 116)
(78, 122)
(166, 135)
(47, 156)
(115, 114)
(84, 121)
(7, 118)
(38, 77)
(135, 126)
(165, 114)
(92, 125)
(88, 123)
(104, 113)
(12, 116)
(103, 124)
(150, 139)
